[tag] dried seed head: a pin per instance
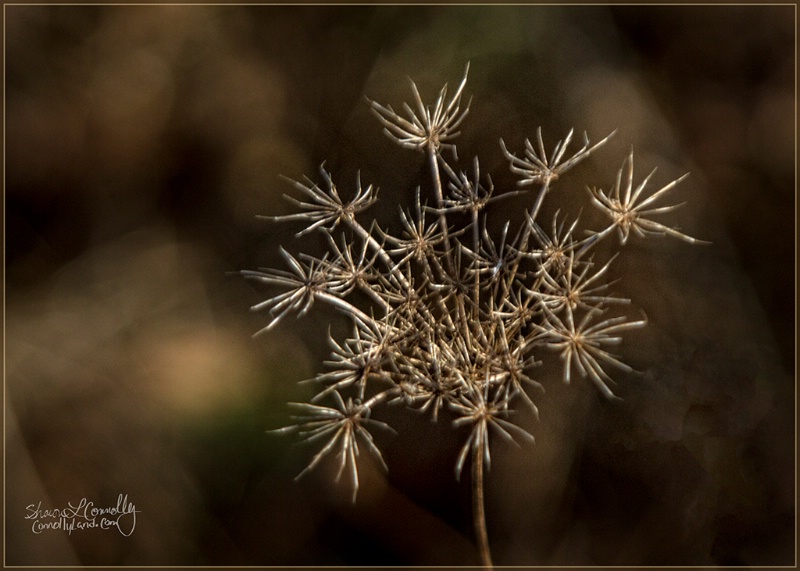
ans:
(451, 315)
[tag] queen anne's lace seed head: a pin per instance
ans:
(630, 214)
(447, 314)
(324, 208)
(537, 168)
(427, 128)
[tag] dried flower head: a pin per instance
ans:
(457, 317)
(628, 213)
(425, 128)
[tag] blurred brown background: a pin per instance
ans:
(141, 143)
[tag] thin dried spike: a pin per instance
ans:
(658, 228)
(316, 410)
(457, 96)
(269, 327)
(374, 450)
(319, 455)
(583, 153)
(438, 107)
(598, 273)
(310, 189)
(629, 184)
(312, 227)
(611, 359)
(281, 302)
(603, 141)
(660, 192)
(339, 400)
(567, 356)
(401, 132)
(343, 384)
(313, 431)
(675, 234)
(510, 427)
(484, 444)
(576, 355)
(597, 375)
(501, 430)
(326, 176)
(614, 325)
(414, 122)
(557, 230)
(586, 318)
(660, 209)
(392, 121)
(542, 154)
(639, 188)
(561, 146)
(462, 456)
(347, 454)
(421, 111)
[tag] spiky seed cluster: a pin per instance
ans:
(425, 129)
(458, 317)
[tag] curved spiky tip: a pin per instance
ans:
(426, 128)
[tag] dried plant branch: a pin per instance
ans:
(456, 316)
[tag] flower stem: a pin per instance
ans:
(433, 159)
(478, 510)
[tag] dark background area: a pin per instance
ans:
(141, 143)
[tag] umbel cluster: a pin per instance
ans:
(458, 318)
